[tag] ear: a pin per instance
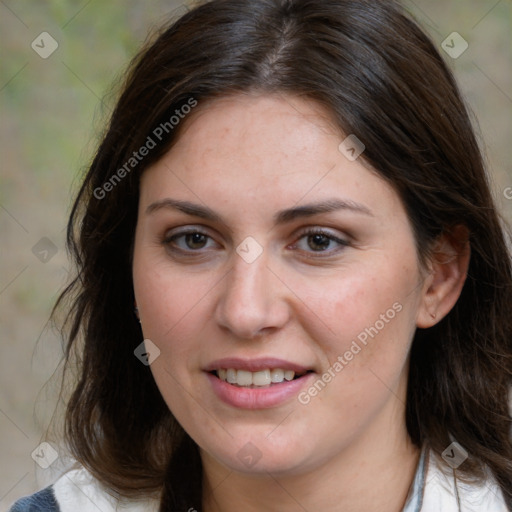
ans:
(448, 267)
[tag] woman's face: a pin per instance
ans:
(262, 250)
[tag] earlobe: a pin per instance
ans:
(443, 285)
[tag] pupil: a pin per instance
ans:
(195, 240)
(319, 242)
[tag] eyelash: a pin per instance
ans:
(168, 242)
(329, 236)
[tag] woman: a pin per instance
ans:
(290, 208)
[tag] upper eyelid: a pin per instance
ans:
(169, 238)
(189, 228)
(314, 214)
(337, 236)
(298, 235)
(342, 241)
(302, 231)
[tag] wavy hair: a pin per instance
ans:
(382, 79)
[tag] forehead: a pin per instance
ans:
(256, 130)
(267, 149)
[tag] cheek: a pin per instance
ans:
(174, 309)
(363, 326)
(366, 313)
(169, 301)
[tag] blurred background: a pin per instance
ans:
(59, 62)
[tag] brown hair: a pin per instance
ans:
(382, 79)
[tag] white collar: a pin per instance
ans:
(79, 490)
(434, 489)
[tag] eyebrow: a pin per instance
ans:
(327, 206)
(281, 217)
(196, 210)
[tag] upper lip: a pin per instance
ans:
(255, 365)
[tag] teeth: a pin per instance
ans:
(243, 378)
(288, 375)
(262, 378)
(277, 375)
(231, 376)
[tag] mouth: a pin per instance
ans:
(260, 379)
(257, 383)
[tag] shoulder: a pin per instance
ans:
(444, 491)
(79, 490)
(42, 501)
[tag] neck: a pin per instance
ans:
(374, 473)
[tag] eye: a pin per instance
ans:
(319, 241)
(190, 240)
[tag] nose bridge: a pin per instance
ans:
(249, 302)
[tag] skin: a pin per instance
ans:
(246, 157)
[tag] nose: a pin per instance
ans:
(252, 300)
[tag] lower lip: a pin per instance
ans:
(257, 398)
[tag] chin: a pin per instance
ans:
(261, 458)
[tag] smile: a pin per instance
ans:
(260, 379)
(257, 383)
